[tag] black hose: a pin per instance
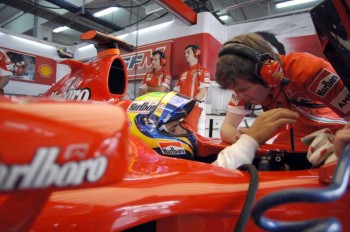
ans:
(249, 201)
(335, 190)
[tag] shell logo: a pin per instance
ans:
(45, 70)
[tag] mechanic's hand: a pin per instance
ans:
(240, 131)
(341, 139)
(243, 130)
(267, 122)
(241, 152)
(321, 147)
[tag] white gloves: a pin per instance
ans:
(321, 147)
(241, 152)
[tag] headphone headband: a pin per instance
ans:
(267, 69)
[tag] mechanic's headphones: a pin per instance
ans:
(267, 69)
(196, 50)
(162, 59)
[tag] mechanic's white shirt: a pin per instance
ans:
(239, 153)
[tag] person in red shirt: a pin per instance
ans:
(194, 83)
(6, 68)
(301, 82)
(159, 79)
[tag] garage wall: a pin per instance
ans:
(27, 45)
(295, 32)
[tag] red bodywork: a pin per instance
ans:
(103, 179)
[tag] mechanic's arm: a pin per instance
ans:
(228, 131)
(4, 80)
(243, 151)
(157, 89)
(201, 94)
(142, 91)
(341, 139)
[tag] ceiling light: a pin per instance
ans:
(59, 29)
(292, 3)
(105, 11)
(152, 8)
(224, 17)
(155, 27)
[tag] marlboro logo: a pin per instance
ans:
(323, 83)
(172, 148)
(73, 94)
(44, 172)
(143, 106)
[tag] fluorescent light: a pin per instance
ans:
(59, 29)
(27, 41)
(155, 27)
(105, 11)
(87, 47)
(152, 8)
(224, 17)
(292, 3)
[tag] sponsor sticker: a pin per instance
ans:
(45, 70)
(144, 107)
(342, 101)
(172, 148)
(234, 99)
(159, 109)
(279, 73)
(323, 83)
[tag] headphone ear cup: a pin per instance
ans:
(196, 53)
(162, 61)
(271, 72)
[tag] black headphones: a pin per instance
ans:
(162, 59)
(267, 69)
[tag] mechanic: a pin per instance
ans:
(194, 83)
(6, 70)
(158, 80)
(300, 82)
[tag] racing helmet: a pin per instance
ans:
(150, 112)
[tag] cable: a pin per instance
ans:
(251, 194)
(336, 189)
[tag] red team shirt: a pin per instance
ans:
(191, 81)
(189, 84)
(313, 80)
(6, 65)
(156, 79)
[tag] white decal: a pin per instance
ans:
(44, 172)
(342, 101)
(73, 94)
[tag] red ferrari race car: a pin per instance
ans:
(68, 165)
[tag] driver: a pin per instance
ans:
(156, 118)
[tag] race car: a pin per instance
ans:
(68, 162)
